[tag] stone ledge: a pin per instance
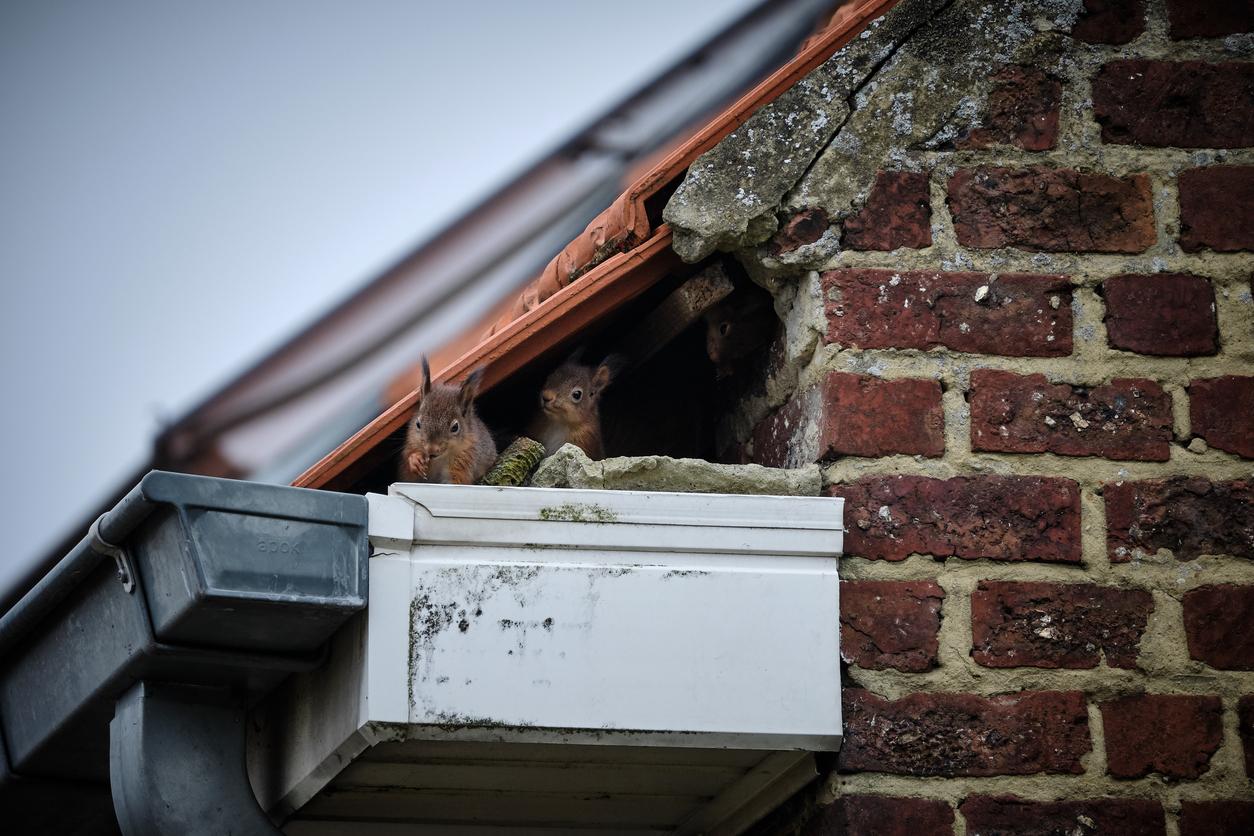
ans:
(569, 467)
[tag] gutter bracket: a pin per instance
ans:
(126, 571)
(177, 763)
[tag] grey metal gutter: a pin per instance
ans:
(134, 659)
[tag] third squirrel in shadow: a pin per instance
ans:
(446, 441)
(570, 405)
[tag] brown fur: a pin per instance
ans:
(433, 452)
(570, 406)
(737, 327)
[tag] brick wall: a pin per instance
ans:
(1033, 384)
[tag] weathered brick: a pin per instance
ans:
(1245, 728)
(1189, 516)
(998, 517)
(882, 815)
(1167, 314)
(1011, 314)
(1221, 410)
(1124, 419)
(965, 734)
(890, 624)
(1110, 21)
(1181, 104)
(1055, 209)
(1218, 623)
(1008, 815)
(1217, 208)
(1171, 734)
(1022, 110)
(1217, 818)
(898, 213)
(1209, 18)
(805, 227)
(853, 415)
(1054, 625)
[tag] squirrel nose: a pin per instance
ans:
(548, 396)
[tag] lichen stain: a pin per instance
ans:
(578, 512)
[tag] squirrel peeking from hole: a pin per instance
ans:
(446, 441)
(570, 404)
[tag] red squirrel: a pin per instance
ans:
(446, 441)
(570, 402)
(737, 327)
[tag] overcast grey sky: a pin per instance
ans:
(185, 184)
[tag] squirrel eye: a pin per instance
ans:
(724, 328)
(417, 424)
(576, 395)
(454, 428)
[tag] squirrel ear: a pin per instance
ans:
(469, 388)
(426, 376)
(609, 369)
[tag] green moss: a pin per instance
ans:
(577, 512)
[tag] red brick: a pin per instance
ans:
(965, 734)
(898, 213)
(1245, 728)
(1171, 734)
(1007, 815)
(998, 517)
(1217, 818)
(1167, 314)
(882, 815)
(1218, 623)
(1022, 111)
(890, 624)
(1054, 209)
(1180, 104)
(1110, 21)
(854, 415)
(1011, 314)
(1221, 410)
(1054, 625)
(1209, 18)
(1124, 419)
(1189, 516)
(1217, 208)
(805, 227)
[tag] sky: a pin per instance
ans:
(184, 184)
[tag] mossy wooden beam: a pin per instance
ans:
(514, 465)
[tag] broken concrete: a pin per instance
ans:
(569, 467)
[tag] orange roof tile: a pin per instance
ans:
(618, 256)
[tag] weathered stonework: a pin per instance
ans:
(1168, 314)
(1080, 522)
(1217, 818)
(1185, 104)
(1189, 517)
(999, 815)
(1012, 314)
(897, 214)
(1221, 410)
(965, 734)
(1217, 208)
(569, 467)
(1110, 21)
(1022, 111)
(878, 815)
(890, 624)
(1057, 625)
(1209, 18)
(1040, 208)
(997, 517)
(1123, 419)
(1219, 624)
(1171, 734)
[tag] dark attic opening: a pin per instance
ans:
(678, 358)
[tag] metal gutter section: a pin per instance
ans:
(192, 598)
